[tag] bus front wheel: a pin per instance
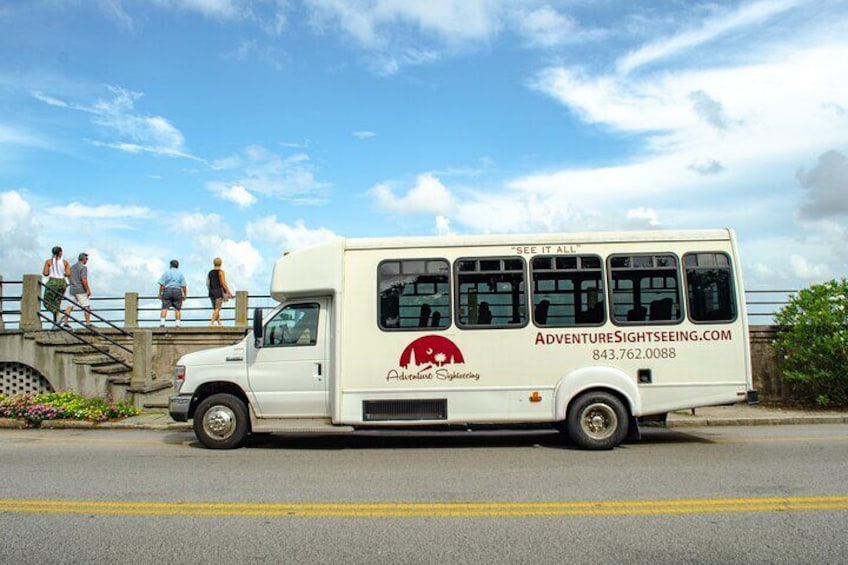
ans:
(597, 420)
(221, 422)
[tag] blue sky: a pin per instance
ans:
(141, 131)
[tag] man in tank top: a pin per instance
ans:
(57, 270)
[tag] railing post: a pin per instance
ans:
(142, 359)
(30, 303)
(2, 323)
(131, 310)
(241, 308)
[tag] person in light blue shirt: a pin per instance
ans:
(172, 292)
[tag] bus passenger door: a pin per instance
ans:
(288, 374)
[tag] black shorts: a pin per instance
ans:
(172, 298)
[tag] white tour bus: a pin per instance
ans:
(590, 333)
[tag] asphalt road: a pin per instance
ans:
(701, 495)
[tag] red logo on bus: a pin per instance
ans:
(431, 350)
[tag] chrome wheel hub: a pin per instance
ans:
(599, 421)
(219, 421)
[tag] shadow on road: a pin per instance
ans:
(418, 439)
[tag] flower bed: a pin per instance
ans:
(35, 409)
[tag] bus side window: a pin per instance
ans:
(296, 324)
(413, 294)
(568, 290)
(491, 292)
(645, 289)
(709, 287)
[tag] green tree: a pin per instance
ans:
(812, 343)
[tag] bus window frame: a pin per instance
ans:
(458, 295)
(602, 291)
(646, 322)
(427, 328)
(733, 294)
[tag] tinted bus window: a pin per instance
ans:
(709, 287)
(567, 290)
(491, 292)
(645, 289)
(414, 294)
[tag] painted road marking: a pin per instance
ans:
(428, 510)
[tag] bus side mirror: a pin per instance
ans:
(257, 327)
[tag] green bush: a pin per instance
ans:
(34, 409)
(812, 343)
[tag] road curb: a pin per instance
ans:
(694, 422)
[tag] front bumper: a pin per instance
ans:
(178, 407)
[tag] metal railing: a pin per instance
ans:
(761, 305)
(10, 317)
(87, 338)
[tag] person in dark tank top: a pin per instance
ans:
(219, 292)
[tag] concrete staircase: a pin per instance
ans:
(98, 371)
(37, 360)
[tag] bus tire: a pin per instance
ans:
(221, 422)
(597, 420)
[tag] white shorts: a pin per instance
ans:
(82, 299)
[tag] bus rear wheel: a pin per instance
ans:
(221, 422)
(597, 420)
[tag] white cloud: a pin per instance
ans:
(287, 237)
(546, 27)
(805, 270)
(260, 171)
(643, 217)
(372, 22)
(744, 16)
(443, 225)
(223, 9)
(234, 193)
(76, 211)
(135, 133)
(428, 195)
(49, 100)
(197, 224)
(364, 134)
(19, 232)
(242, 262)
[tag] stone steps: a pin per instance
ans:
(119, 378)
(74, 349)
(111, 369)
(56, 338)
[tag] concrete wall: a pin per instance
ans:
(767, 377)
(57, 368)
(169, 345)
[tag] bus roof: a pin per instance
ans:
(483, 240)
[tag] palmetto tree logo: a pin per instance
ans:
(431, 350)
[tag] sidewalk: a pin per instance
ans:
(753, 415)
(735, 415)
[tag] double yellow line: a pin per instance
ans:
(428, 510)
